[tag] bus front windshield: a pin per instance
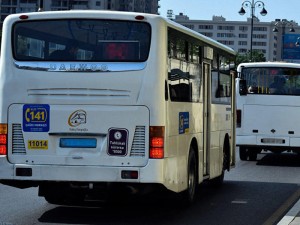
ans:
(272, 81)
(81, 40)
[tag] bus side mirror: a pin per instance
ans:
(243, 87)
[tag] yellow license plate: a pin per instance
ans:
(38, 144)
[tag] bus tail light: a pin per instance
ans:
(157, 139)
(3, 139)
(238, 118)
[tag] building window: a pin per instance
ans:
(260, 36)
(260, 29)
(242, 42)
(205, 27)
(226, 42)
(257, 43)
(190, 26)
(225, 35)
(207, 34)
(243, 35)
(226, 27)
(243, 28)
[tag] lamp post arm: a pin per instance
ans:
(246, 4)
(259, 4)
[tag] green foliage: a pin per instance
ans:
(257, 56)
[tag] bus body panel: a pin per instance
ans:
(81, 124)
(269, 121)
(89, 121)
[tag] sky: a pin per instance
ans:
(206, 9)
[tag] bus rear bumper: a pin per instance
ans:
(35, 174)
(261, 141)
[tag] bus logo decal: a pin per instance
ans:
(117, 141)
(184, 122)
(92, 67)
(76, 118)
(36, 118)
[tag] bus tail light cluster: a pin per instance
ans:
(157, 139)
(238, 118)
(3, 139)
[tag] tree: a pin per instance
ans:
(257, 56)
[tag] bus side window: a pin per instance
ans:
(173, 94)
(243, 87)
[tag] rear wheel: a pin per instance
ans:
(192, 178)
(252, 155)
(243, 153)
(218, 181)
(55, 198)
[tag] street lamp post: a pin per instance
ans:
(263, 12)
(282, 24)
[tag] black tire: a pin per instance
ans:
(252, 155)
(54, 199)
(189, 195)
(243, 153)
(218, 181)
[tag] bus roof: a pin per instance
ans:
(202, 37)
(107, 14)
(268, 64)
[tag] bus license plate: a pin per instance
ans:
(272, 141)
(38, 144)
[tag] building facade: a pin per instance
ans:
(18, 6)
(237, 35)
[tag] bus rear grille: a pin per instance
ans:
(18, 146)
(138, 144)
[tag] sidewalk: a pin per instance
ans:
(292, 217)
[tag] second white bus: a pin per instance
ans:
(94, 99)
(268, 108)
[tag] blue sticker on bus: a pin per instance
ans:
(36, 117)
(184, 122)
(117, 141)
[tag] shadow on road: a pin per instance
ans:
(283, 160)
(142, 210)
(234, 203)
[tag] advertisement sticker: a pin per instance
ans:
(117, 141)
(184, 122)
(36, 118)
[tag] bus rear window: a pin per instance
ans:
(272, 80)
(81, 40)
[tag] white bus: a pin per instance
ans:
(94, 99)
(267, 108)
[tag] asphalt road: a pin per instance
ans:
(254, 193)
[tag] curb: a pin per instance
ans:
(292, 217)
